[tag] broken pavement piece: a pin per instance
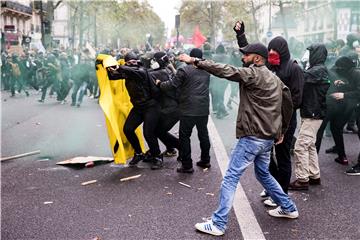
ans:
(88, 182)
(48, 202)
(210, 194)
(130, 178)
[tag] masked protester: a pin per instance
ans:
(291, 74)
(258, 126)
(168, 100)
(312, 112)
(342, 99)
(145, 109)
(193, 84)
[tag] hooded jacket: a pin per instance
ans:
(288, 71)
(316, 84)
(345, 70)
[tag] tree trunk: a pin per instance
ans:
(253, 12)
(283, 19)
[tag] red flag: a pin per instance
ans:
(198, 39)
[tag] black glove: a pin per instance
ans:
(241, 30)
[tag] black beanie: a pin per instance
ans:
(196, 52)
(131, 56)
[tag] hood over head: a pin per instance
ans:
(318, 54)
(280, 45)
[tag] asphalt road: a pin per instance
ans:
(41, 200)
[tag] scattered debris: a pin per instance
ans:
(49, 202)
(201, 188)
(88, 182)
(130, 215)
(205, 169)
(305, 199)
(169, 193)
(80, 162)
(166, 187)
(20, 155)
(96, 238)
(130, 178)
(185, 185)
(44, 160)
(38, 123)
(210, 194)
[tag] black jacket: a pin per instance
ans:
(316, 84)
(289, 71)
(194, 90)
(168, 98)
(138, 85)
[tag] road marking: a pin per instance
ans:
(249, 226)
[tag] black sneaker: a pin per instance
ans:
(169, 153)
(184, 170)
(157, 163)
(136, 159)
(203, 164)
(331, 150)
(354, 171)
(342, 160)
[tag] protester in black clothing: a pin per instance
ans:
(291, 74)
(343, 96)
(168, 100)
(194, 109)
(312, 112)
(145, 108)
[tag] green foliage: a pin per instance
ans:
(128, 21)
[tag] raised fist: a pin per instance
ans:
(239, 27)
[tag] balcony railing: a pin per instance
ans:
(16, 6)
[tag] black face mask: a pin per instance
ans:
(247, 64)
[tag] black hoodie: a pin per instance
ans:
(316, 84)
(288, 71)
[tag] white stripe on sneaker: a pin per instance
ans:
(250, 228)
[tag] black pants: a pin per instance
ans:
(166, 123)
(281, 169)
(337, 115)
(187, 123)
(150, 117)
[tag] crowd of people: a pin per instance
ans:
(272, 86)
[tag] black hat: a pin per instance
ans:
(256, 48)
(131, 56)
(196, 52)
(344, 63)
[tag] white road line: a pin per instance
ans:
(249, 226)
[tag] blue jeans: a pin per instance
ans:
(247, 150)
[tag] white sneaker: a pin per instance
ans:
(278, 212)
(270, 203)
(209, 228)
(264, 194)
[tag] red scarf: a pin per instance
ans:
(274, 58)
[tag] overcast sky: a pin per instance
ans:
(166, 9)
